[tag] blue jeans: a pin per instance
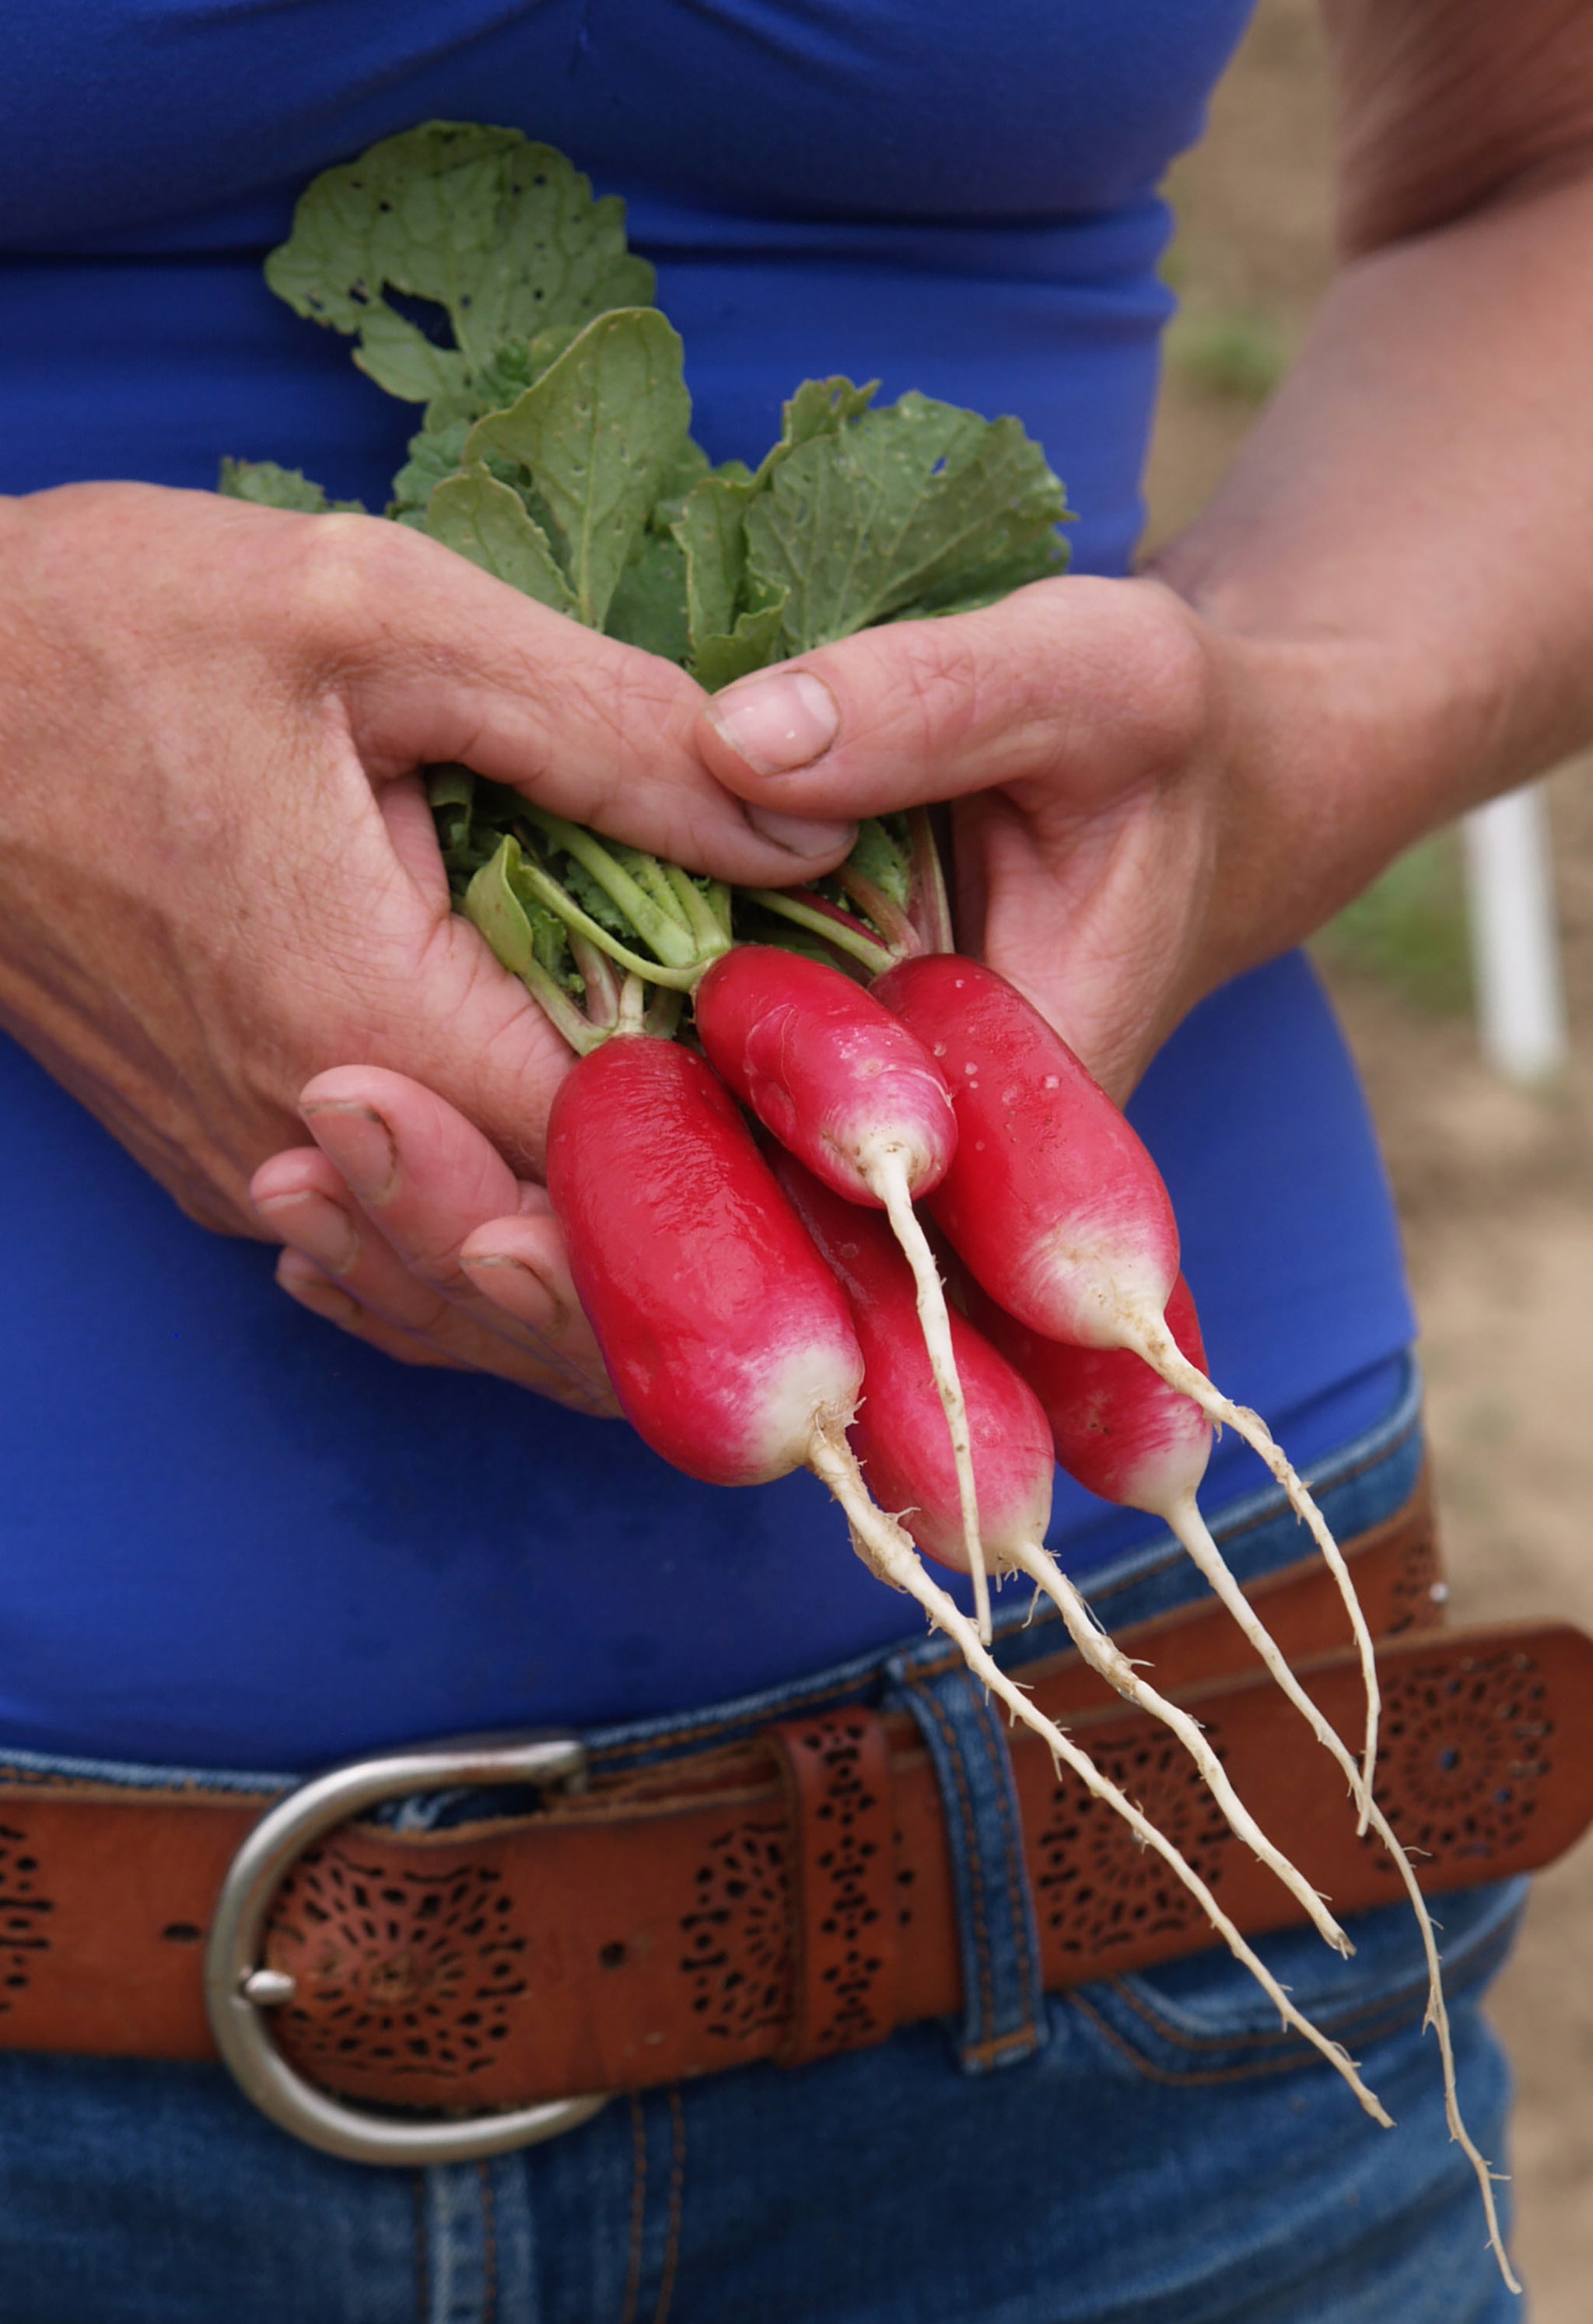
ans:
(1151, 2150)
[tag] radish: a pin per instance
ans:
(731, 1346)
(1124, 1433)
(848, 1089)
(726, 1337)
(1060, 1214)
(899, 1444)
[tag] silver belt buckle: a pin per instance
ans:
(239, 1990)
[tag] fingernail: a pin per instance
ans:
(360, 1142)
(799, 837)
(315, 1227)
(778, 722)
(510, 1283)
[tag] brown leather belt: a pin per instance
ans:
(791, 1895)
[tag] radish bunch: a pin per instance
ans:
(760, 1315)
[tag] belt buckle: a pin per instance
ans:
(239, 1990)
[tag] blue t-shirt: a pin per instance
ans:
(228, 1534)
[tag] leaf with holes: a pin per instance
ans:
(596, 437)
(916, 509)
(501, 233)
(647, 608)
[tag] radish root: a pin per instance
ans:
(1105, 1656)
(1161, 1351)
(1191, 1528)
(886, 1173)
(887, 1551)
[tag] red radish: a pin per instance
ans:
(1060, 1214)
(1116, 1427)
(728, 1340)
(897, 1434)
(839, 1081)
(849, 1090)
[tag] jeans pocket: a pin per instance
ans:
(1205, 2019)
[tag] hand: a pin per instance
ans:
(407, 1228)
(1111, 759)
(218, 872)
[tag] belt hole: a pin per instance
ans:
(613, 1955)
(182, 1932)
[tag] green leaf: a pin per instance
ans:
(268, 486)
(648, 609)
(491, 905)
(487, 522)
(919, 508)
(676, 487)
(755, 641)
(882, 856)
(597, 436)
(820, 407)
(503, 235)
(711, 532)
(434, 453)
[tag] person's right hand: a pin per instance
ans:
(217, 870)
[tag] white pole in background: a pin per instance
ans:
(1515, 937)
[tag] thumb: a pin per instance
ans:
(1084, 685)
(435, 659)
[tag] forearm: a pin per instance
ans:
(1397, 571)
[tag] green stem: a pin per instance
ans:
(633, 1017)
(663, 1013)
(655, 927)
(931, 907)
(597, 974)
(561, 1011)
(712, 938)
(548, 891)
(834, 926)
(875, 905)
(659, 880)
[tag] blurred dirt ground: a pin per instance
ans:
(1495, 1187)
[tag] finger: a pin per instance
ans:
(363, 1287)
(438, 661)
(429, 1179)
(305, 1284)
(520, 1265)
(1094, 684)
(302, 1195)
(413, 1161)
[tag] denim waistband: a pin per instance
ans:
(1357, 1487)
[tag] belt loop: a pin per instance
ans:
(842, 1790)
(1004, 2016)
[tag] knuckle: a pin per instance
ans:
(1173, 675)
(338, 565)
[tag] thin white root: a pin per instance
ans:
(1104, 1655)
(886, 1174)
(887, 1551)
(1164, 1355)
(1191, 1528)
